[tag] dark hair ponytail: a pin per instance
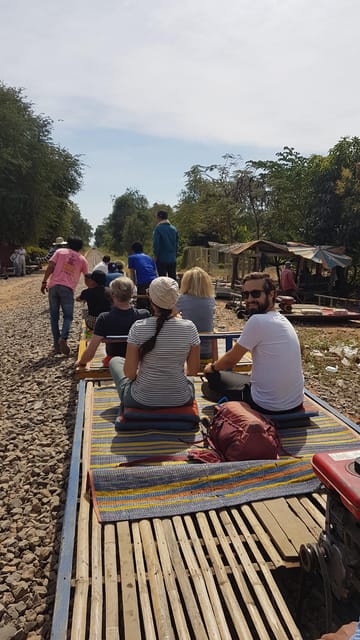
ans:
(146, 347)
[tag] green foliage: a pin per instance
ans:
(315, 200)
(34, 252)
(79, 226)
(286, 206)
(37, 177)
(129, 214)
(210, 207)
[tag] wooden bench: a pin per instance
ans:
(95, 369)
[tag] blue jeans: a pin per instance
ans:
(61, 297)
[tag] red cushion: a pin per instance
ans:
(188, 413)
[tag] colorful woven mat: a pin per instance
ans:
(165, 489)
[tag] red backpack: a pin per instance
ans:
(237, 433)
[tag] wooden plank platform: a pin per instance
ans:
(208, 575)
(204, 575)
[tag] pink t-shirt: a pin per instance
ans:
(69, 265)
(287, 280)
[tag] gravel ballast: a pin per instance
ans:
(38, 406)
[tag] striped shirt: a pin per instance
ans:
(161, 381)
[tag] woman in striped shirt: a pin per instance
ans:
(161, 352)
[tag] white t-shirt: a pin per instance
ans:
(277, 381)
(161, 381)
(101, 266)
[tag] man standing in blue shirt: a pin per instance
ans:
(142, 268)
(165, 246)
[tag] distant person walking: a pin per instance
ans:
(287, 282)
(165, 246)
(63, 271)
(142, 268)
(21, 261)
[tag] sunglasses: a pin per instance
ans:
(255, 293)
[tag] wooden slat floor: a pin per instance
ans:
(205, 575)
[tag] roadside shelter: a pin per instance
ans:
(254, 256)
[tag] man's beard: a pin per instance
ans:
(258, 307)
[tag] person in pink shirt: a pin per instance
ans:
(287, 282)
(63, 272)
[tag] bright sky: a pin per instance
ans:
(144, 89)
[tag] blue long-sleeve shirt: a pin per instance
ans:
(165, 242)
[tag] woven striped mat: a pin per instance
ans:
(165, 489)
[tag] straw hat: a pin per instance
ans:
(164, 292)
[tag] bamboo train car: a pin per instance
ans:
(196, 573)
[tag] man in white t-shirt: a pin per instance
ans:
(277, 382)
(103, 264)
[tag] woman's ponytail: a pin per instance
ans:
(146, 347)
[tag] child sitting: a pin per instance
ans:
(97, 297)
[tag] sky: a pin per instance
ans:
(144, 89)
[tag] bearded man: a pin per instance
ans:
(276, 381)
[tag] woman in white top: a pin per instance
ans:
(158, 350)
(197, 303)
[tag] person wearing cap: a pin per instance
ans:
(97, 297)
(115, 322)
(159, 349)
(287, 282)
(103, 264)
(63, 272)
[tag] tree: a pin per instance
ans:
(286, 204)
(78, 225)
(37, 177)
(128, 211)
(209, 207)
